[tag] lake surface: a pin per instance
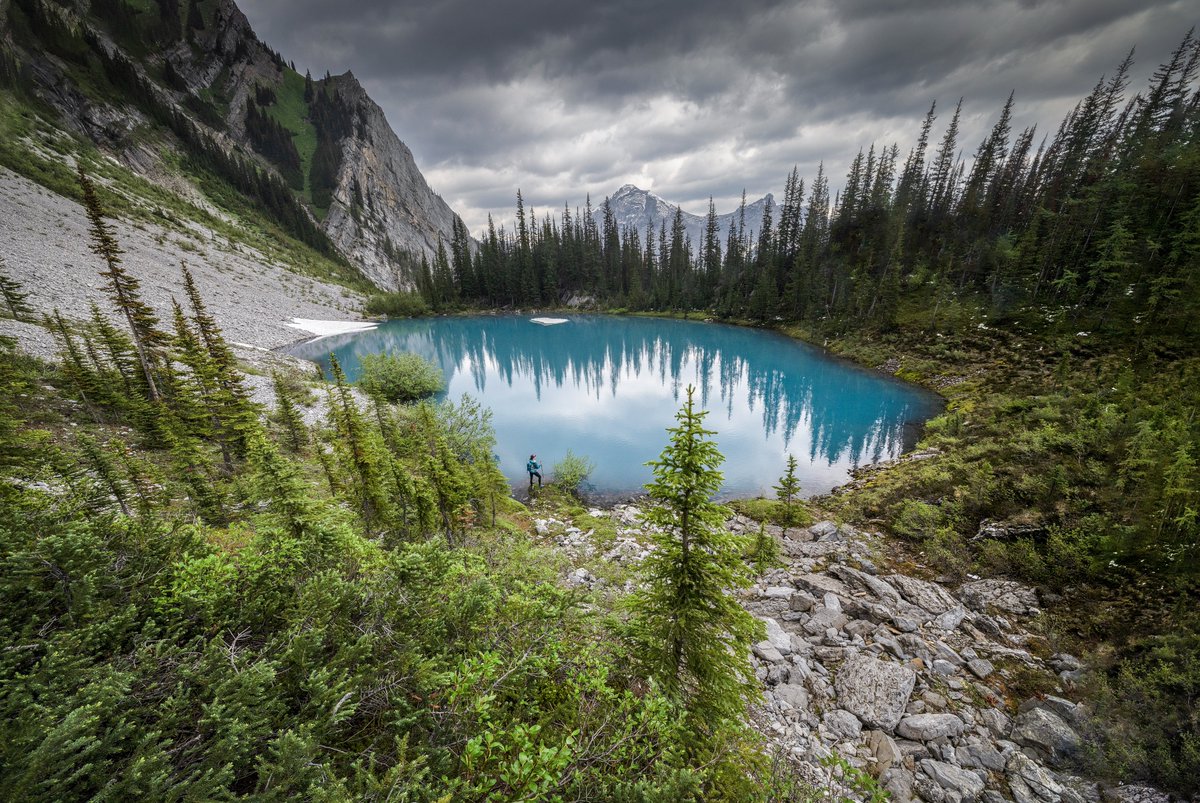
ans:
(607, 387)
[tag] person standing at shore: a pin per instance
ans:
(535, 470)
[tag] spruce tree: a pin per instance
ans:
(295, 432)
(123, 289)
(14, 296)
(687, 630)
(788, 493)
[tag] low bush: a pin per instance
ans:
(399, 377)
(572, 472)
(397, 305)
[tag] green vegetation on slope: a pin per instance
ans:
(201, 607)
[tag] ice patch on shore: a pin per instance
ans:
(327, 328)
(548, 321)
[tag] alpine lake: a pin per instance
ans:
(607, 387)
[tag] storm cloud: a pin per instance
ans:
(704, 97)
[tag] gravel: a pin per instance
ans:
(45, 246)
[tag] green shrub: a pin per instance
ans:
(572, 471)
(397, 305)
(399, 377)
(915, 519)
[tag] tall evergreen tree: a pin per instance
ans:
(123, 289)
(688, 630)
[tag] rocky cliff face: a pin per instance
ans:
(635, 208)
(381, 214)
(399, 211)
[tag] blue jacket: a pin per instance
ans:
(533, 466)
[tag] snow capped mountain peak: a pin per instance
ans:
(635, 208)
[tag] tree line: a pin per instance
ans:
(1096, 223)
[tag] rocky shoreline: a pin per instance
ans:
(866, 671)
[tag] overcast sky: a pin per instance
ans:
(699, 98)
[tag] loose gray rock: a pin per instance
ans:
(1006, 596)
(794, 695)
(939, 781)
(766, 651)
(842, 724)
(980, 667)
(1138, 794)
(980, 756)
(927, 727)
(929, 596)
(875, 691)
(1047, 732)
(1029, 782)
(884, 749)
(778, 638)
(823, 529)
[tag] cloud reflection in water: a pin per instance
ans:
(607, 387)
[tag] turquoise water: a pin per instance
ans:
(607, 387)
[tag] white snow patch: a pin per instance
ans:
(548, 321)
(327, 328)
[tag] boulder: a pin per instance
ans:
(980, 756)
(823, 529)
(873, 585)
(883, 748)
(1046, 732)
(899, 784)
(1006, 596)
(1029, 782)
(927, 727)
(940, 782)
(766, 651)
(980, 667)
(793, 694)
(778, 638)
(875, 691)
(843, 725)
(1007, 531)
(928, 596)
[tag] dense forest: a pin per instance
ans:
(1096, 224)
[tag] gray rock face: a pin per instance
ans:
(380, 200)
(842, 724)
(929, 596)
(939, 781)
(1045, 732)
(927, 727)
(403, 210)
(1005, 596)
(1031, 783)
(637, 208)
(875, 691)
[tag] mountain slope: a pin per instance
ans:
(187, 91)
(636, 209)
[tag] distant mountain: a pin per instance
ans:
(186, 96)
(635, 208)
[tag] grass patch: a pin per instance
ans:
(291, 111)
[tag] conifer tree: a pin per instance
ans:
(356, 444)
(295, 432)
(123, 288)
(788, 492)
(687, 629)
(14, 296)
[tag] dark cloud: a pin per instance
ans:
(699, 98)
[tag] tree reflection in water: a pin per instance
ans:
(607, 387)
